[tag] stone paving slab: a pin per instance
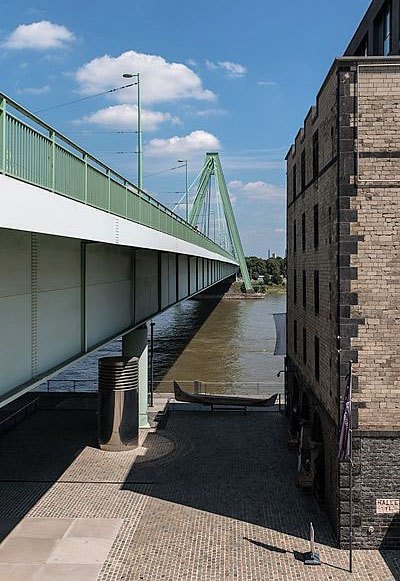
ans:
(208, 498)
(50, 548)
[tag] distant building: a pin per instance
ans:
(343, 229)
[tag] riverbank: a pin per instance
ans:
(235, 292)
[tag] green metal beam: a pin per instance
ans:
(204, 179)
(34, 152)
(212, 166)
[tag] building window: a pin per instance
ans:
(316, 358)
(295, 286)
(294, 181)
(304, 345)
(362, 49)
(304, 289)
(295, 336)
(316, 226)
(330, 224)
(294, 236)
(303, 170)
(303, 232)
(315, 155)
(382, 36)
(316, 292)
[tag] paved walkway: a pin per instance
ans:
(210, 497)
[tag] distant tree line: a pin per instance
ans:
(273, 270)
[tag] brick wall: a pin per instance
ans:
(319, 191)
(358, 258)
(378, 257)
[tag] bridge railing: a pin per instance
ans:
(33, 151)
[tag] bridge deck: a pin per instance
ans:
(34, 152)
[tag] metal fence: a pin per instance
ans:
(32, 151)
(250, 388)
(245, 388)
(68, 386)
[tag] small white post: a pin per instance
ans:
(312, 558)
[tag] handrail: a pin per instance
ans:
(56, 140)
(15, 414)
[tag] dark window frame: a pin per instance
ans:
(295, 339)
(303, 231)
(315, 154)
(316, 292)
(295, 286)
(294, 236)
(303, 170)
(294, 181)
(304, 346)
(316, 358)
(316, 226)
(382, 30)
(362, 49)
(304, 289)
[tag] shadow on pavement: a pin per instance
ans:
(37, 452)
(392, 557)
(233, 465)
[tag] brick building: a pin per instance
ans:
(343, 225)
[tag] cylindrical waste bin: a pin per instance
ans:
(118, 417)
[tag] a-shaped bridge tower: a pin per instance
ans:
(226, 222)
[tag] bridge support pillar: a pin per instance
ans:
(134, 344)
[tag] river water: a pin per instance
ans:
(228, 344)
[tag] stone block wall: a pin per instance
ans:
(377, 260)
(359, 287)
(319, 190)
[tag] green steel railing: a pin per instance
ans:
(34, 152)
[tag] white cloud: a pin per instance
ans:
(34, 90)
(233, 70)
(125, 116)
(160, 81)
(256, 190)
(267, 83)
(41, 35)
(209, 112)
(197, 142)
(279, 230)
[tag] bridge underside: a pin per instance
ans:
(62, 297)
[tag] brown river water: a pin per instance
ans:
(228, 344)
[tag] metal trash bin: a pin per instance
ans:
(118, 408)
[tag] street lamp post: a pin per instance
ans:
(185, 161)
(139, 128)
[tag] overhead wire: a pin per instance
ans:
(85, 98)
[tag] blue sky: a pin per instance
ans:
(233, 76)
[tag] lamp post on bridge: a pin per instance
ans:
(185, 161)
(139, 128)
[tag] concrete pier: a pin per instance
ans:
(134, 344)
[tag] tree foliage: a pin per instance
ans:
(273, 270)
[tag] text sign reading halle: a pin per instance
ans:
(387, 505)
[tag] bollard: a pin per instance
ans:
(312, 558)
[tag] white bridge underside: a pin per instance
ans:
(73, 277)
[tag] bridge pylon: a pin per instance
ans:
(212, 167)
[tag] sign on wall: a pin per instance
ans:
(387, 505)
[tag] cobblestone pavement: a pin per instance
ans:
(210, 497)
